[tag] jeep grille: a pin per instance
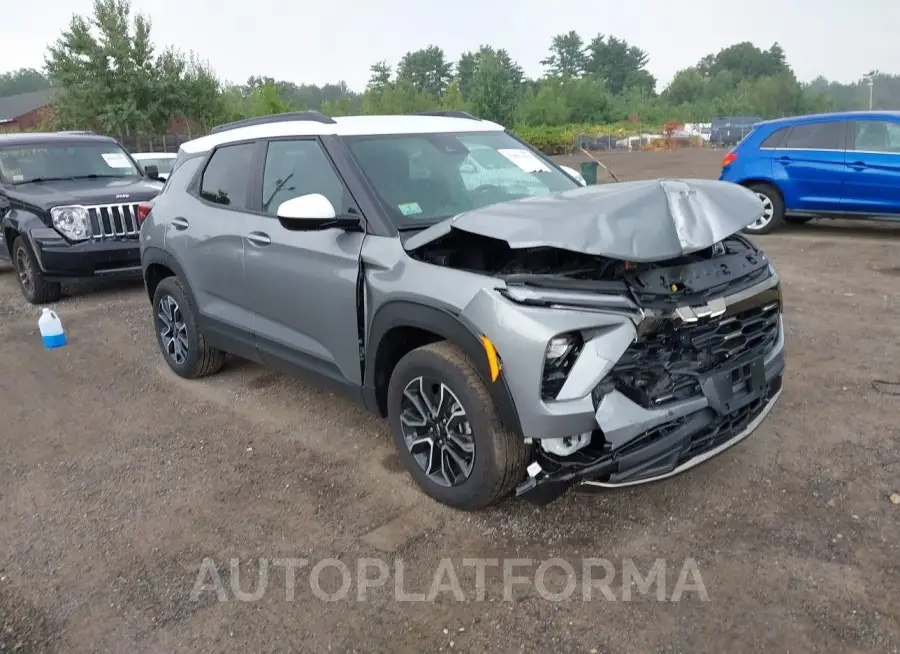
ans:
(114, 220)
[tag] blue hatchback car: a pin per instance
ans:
(839, 165)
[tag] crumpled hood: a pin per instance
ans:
(635, 221)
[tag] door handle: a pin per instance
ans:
(180, 223)
(783, 159)
(259, 238)
(858, 165)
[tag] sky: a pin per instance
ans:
(331, 40)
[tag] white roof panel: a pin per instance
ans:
(344, 126)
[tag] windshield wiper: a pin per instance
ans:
(42, 179)
(71, 177)
(96, 176)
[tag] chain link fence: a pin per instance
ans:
(163, 143)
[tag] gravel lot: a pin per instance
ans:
(119, 480)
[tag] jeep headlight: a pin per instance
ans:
(73, 222)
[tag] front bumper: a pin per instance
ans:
(640, 434)
(61, 260)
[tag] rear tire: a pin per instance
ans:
(32, 282)
(179, 337)
(496, 463)
(773, 205)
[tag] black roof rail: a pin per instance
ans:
(449, 114)
(311, 116)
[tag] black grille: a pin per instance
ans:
(114, 220)
(665, 363)
(726, 427)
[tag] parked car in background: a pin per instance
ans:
(520, 332)
(70, 205)
(726, 132)
(838, 165)
(163, 161)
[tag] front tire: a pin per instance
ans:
(180, 340)
(448, 430)
(773, 209)
(32, 282)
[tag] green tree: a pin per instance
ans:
(401, 97)
(426, 70)
(544, 106)
(105, 69)
(468, 64)
(567, 57)
(380, 76)
(619, 64)
(110, 77)
(453, 99)
(494, 93)
(745, 61)
(24, 80)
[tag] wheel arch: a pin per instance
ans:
(401, 326)
(158, 265)
(18, 223)
(761, 181)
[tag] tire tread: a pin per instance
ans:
(44, 292)
(510, 448)
(209, 360)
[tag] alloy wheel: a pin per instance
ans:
(23, 267)
(172, 329)
(768, 212)
(437, 431)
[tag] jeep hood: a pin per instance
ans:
(634, 221)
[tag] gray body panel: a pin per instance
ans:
(637, 221)
(210, 250)
(304, 296)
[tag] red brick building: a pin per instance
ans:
(32, 111)
(26, 111)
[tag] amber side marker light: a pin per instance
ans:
(493, 359)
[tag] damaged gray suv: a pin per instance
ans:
(522, 333)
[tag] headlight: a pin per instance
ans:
(562, 352)
(73, 222)
(559, 346)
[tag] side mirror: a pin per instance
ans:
(152, 171)
(313, 211)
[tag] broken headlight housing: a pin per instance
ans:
(561, 354)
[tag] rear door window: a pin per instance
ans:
(227, 176)
(876, 136)
(816, 136)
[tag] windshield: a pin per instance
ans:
(423, 178)
(52, 161)
(164, 166)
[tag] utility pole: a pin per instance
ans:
(870, 78)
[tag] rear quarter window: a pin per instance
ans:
(775, 139)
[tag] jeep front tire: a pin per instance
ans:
(448, 431)
(34, 285)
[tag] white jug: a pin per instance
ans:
(51, 329)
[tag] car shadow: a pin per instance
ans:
(839, 227)
(92, 286)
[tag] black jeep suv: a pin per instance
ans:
(69, 209)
